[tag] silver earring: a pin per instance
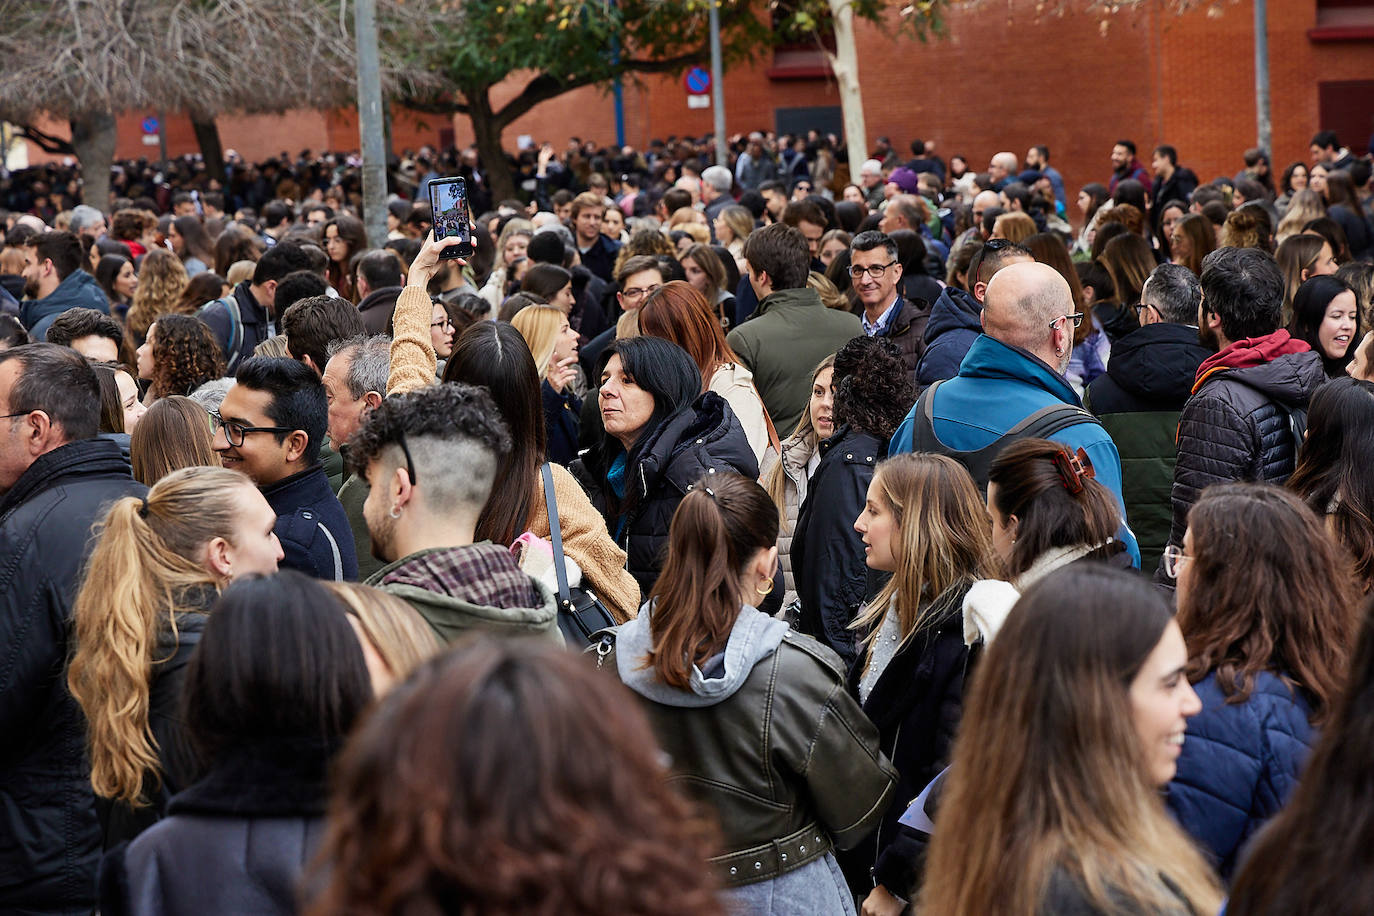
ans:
(395, 512)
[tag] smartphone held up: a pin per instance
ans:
(448, 202)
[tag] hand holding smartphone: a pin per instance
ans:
(448, 204)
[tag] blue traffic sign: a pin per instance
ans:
(150, 125)
(697, 80)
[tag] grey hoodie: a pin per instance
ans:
(754, 637)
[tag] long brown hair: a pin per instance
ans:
(942, 541)
(776, 481)
(717, 528)
(140, 573)
(1314, 856)
(428, 813)
(1270, 591)
(1031, 487)
(174, 433)
(1202, 240)
(1048, 772)
(677, 311)
(186, 355)
(161, 281)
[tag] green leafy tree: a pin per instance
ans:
(564, 45)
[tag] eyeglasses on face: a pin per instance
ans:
(1174, 558)
(442, 323)
(635, 293)
(234, 433)
(1074, 318)
(875, 271)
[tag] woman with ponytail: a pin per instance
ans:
(156, 569)
(753, 715)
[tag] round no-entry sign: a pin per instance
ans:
(150, 125)
(697, 80)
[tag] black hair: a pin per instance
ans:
(495, 356)
(75, 323)
(281, 259)
(911, 251)
(292, 288)
(107, 271)
(275, 213)
(546, 248)
(1310, 303)
(1325, 139)
(310, 325)
(59, 382)
(1130, 191)
(278, 661)
(545, 280)
(298, 399)
(1168, 152)
(449, 411)
(873, 389)
(60, 247)
(1129, 144)
(12, 333)
(1244, 288)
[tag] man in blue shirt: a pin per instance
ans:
(1012, 371)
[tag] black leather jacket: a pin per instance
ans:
(789, 762)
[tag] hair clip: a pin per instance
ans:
(709, 492)
(1073, 469)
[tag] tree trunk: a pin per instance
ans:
(93, 139)
(486, 130)
(211, 150)
(845, 63)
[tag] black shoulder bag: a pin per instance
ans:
(580, 613)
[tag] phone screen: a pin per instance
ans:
(448, 201)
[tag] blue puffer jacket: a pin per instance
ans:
(955, 323)
(1240, 762)
(78, 290)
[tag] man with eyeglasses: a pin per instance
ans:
(57, 479)
(876, 276)
(1138, 399)
(1011, 386)
(270, 426)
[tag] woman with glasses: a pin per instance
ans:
(1266, 603)
(157, 566)
(440, 335)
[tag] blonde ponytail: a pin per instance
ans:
(138, 574)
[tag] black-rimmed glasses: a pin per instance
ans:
(1073, 318)
(875, 271)
(234, 432)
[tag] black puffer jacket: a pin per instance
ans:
(1239, 426)
(702, 440)
(49, 833)
(827, 553)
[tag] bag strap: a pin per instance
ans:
(555, 533)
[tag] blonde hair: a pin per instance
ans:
(161, 280)
(776, 481)
(1015, 227)
(627, 325)
(273, 346)
(942, 540)
(140, 573)
(240, 271)
(402, 638)
(540, 325)
(831, 297)
(1305, 206)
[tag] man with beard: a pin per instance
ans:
(1248, 411)
(55, 282)
(1011, 386)
(429, 458)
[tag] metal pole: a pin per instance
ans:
(162, 142)
(717, 87)
(370, 124)
(1263, 126)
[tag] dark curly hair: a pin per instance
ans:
(873, 389)
(186, 355)
(428, 814)
(454, 438)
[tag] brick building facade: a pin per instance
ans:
(1002, 78)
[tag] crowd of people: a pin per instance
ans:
(950, 550)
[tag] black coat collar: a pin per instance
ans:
(280, 778)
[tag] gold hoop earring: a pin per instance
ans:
(765, 591)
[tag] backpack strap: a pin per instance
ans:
(234, 344)
(556, 536)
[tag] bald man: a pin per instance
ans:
(1011, 386)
